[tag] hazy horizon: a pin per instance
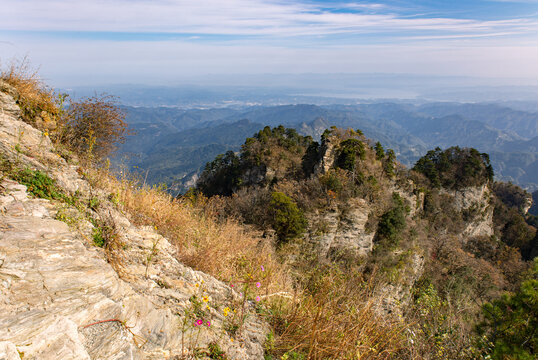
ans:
(169, 42)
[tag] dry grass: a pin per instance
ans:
(34, 97)
(222, 248)
(337, 320)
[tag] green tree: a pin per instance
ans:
(379, 151)
(288, 220)
(455, 167)
(511, 322)
(388, 165)
(310, 159)
(350, 150)
(393, 221)
(221, 176)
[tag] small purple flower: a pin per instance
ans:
(263, 269)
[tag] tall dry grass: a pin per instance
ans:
(33, 96)
(204, 239)
(338, 317)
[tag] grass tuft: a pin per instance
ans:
(36, 100)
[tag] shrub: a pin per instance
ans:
(288, 220)
(511, 195)
(511, 322)
(393, 221)
(93, 126)
(39, 184)
(514, 229)
(331, 181)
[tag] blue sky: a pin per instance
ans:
(164, 41)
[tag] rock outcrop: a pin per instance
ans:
(475, 202)
(61, 299)
(343, 230)
(328, 156)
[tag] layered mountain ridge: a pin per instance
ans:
(508, 135)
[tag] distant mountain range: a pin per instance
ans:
(172, 145)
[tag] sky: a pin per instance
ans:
(81, 42)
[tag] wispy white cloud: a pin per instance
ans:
(258, 36)
(364, 6)
(171, 61)
(232, 17)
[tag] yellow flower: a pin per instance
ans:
(226, 310)
(205, 298)
(197, 285)
(46, 133)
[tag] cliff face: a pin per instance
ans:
(475, 202)
(62, 299)
(343, 229)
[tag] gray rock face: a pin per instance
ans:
(396, 295)
(344, 230)
(328, 150)
(415, 201)
(477, 202)
(527, 205)
(61, 299)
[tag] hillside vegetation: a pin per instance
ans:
(334, 248)
(437, 243)
(507, 135)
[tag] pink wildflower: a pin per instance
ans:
(263, 269)
(208, 323)
(199, 322)
(258, 284)
(258, 298)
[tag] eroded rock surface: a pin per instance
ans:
(476, 203)
(343, 230)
